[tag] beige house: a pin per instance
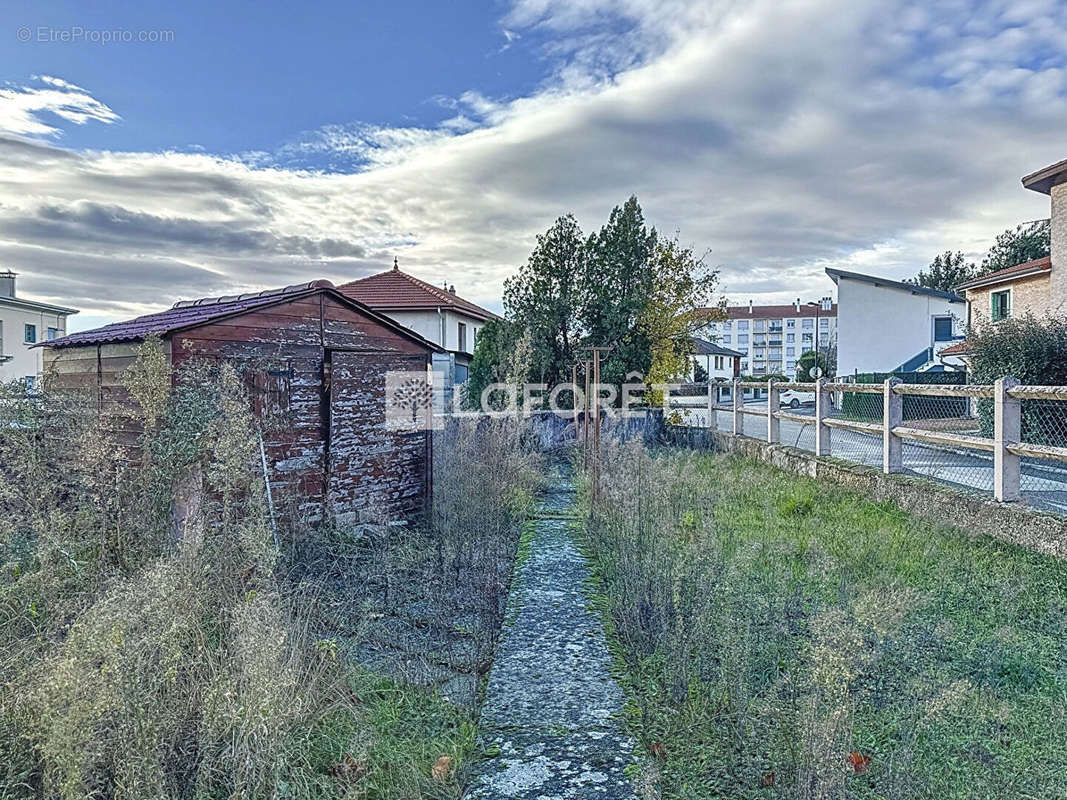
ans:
(1036, 287)
(24, 323)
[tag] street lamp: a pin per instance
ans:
(818, 306)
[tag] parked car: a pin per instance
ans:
(795, 399)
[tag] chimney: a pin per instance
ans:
(452, 289)
(796, 305)
(749, 306)
(7, 284)
(396, 264)
(1053, 182)
(827, 303)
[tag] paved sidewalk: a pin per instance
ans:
(551, 714)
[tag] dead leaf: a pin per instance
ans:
(860, 763)
(350, 769)
(767, 780)
(442, 768)
(658, 750)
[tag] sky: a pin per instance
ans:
(154, 152)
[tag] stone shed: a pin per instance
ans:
(314, 360)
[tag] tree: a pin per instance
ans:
(545, 300)
(947, 271)
(700, 375)
(492, 359)
(808, 360)
(619, 279)
(681, 284)
(1027, 242)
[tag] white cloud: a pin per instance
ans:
(785, 136)
(24, 110)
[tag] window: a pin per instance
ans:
(31, 384)
(726, 338)
(824, 322)
(790, 351)
(718, 362)
(790, 337)
(942, 329)
(808, 323)
(790, 323)
(727, 325)
(761, 326)
(54, 333)
(30, 334)
(462, 336)
(744, 366)
(1000, 305)
(742, 324)
(742, 338)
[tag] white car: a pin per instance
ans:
(795, 399)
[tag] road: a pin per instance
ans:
(1044, 483)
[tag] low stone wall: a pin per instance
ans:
(1010, 522)
(553, 430)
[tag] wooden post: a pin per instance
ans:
(1007, 429)
(822, 411)
(585, 414)
(713, 400)
(773, 423)
(739, 402)
(574, 397)
(892, 416)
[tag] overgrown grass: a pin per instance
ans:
(777, 633)
(151, 648)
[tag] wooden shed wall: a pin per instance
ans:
(333, 455)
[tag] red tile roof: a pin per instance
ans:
(394, 290)
(958, 349)
(1037, 266)
(771, 312)
(192, 313)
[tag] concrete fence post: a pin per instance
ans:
(773, 423)
(822, 411)
(892, 416)
(1007, 430)
(739, 402)
(713, 400)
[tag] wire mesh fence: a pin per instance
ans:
(1042, 481)
(940, 431)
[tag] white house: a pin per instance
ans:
(437, 314)
(890, 326)
(24, 323)
(720, 363)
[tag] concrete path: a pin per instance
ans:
(551, 719)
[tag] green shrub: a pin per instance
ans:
(1032, 350)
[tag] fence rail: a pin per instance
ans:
(1003, 438)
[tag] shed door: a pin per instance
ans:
(371, 468)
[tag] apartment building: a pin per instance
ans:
(24, 323)
(772, 338)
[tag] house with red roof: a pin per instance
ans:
(1037, 287)
(436, 313)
